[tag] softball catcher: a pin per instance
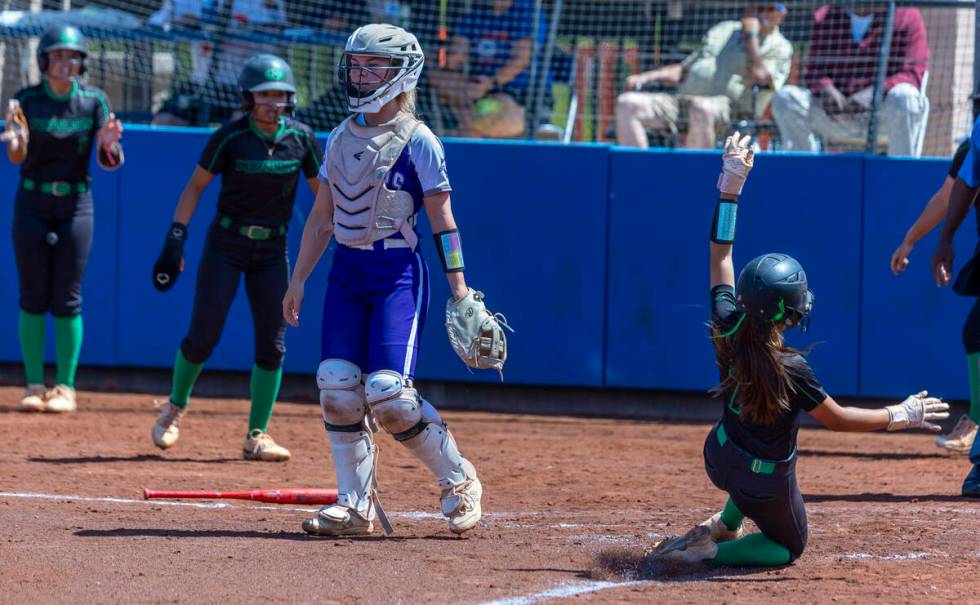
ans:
(260, 158)
(382, 166)
(751, 452)
(962, 197)
(961, 438)
(50, 130)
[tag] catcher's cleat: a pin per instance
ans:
(33, 399)
(695, 547)
(260, 446)
(338, 520)
(960, 439)
(971, 486)
(166, 430)
(60, 400)
(719, 531)
(461, 502)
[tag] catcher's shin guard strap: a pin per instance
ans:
(450, 250)
(723, 224)
(415, 430)
(343, 428)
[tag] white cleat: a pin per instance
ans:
(338, 520)
(719, 531)
(260, 446)
(166, 430)
(61, 400)
(694, 547)
(960, 439)
(461, 503)
(33, 399)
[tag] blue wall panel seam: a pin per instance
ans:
(610, 196)
(861, 269)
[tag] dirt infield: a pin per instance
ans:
(886, 523)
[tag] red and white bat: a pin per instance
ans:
(276, 496)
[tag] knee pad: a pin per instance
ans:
(395, 403)
(341, 395)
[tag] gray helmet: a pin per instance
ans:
(266, 72)
(773, 287)
(404, 53)
(60, 37)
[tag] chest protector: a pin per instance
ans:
(359, 159)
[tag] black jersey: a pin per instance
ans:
(259, 172)
(769, 442)
(958, 158)
(62, 130)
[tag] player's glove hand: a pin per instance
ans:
(475, 334)
(15, 128)
(916, 412)
(171, 260)
(736, 163)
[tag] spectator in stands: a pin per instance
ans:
(486, 77)
(715, 81)
(839, 75)
(211, 92)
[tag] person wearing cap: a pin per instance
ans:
(714, 82)
(53, 212)
(839, 72)
(260, 158)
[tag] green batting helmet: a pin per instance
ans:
(60, 37)
(773, 287)
(266, 72)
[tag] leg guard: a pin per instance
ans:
(395, 404)
(341, 395)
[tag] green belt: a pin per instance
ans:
(55, 188)
(256, 232)
(757, 466)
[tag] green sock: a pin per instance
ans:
(185, 375)
(265, 389)
(974, 363)
(68, 346)
(31, 329)
(752, 550)
(731, 516)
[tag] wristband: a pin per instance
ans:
(450, 250)
(723, 224)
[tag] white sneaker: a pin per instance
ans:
(694, 547)
(719, 531)
(960, 439)
(338, 520)
(166, 430)
(260, 446)
(461, 503)
(33, 400)
(60, 400)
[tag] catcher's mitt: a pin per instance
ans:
(15, 125)
(475, 334)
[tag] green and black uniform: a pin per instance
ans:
(756, 464)
(259, 177)
(53, 220)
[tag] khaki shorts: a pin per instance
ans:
(670, 111)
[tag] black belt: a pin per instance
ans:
(255, 232)
(758, 466)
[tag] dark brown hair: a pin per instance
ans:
(753, 358)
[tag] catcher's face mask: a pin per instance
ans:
(364, 74)
(64, 64)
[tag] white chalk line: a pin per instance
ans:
(566, 590)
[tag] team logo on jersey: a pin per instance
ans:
(275, 73)
(357, 156)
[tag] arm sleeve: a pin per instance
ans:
(101, 110)
(213, 157)
(323, 161)
(810, 393)
(970, 172)
(429, 160)
(313, 158)
(910, 59)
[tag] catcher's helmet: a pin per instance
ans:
(60, 37)
(266, 72)
(773, 287)
(405, 60)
